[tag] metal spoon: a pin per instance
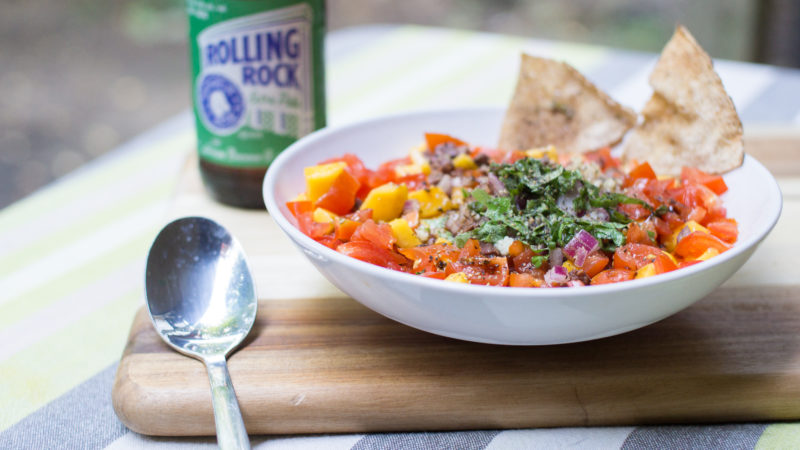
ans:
(202, 301)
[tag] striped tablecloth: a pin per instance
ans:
(72, 255)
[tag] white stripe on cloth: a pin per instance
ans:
(417, 78)
(134, 441)
(334, 442)
(69, 309)
(549, 438)
(86, 249)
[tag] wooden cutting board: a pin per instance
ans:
(319, 362)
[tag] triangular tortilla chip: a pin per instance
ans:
(554, 104)
(689, 120)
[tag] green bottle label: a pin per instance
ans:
(257, 77)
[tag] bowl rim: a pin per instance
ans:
(271, 178)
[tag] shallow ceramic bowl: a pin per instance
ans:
(501, 315)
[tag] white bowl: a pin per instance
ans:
(502, 315)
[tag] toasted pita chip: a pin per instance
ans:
(689, 120)
(554, 104)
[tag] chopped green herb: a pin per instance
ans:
(531, 211)
(537, 261)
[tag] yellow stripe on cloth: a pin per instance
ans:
(86, 225)
(53, 366)
(16, 309)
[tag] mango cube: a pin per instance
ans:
(386, 201)
(463, 161)
(645, 271)
(320, 178)
(322, 215)
(693, 226)
(412, 169)
(541, 152)
(432, 202)
(404, 234)
(458, 277)
(708, 254)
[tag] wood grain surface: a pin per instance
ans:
(319, 362)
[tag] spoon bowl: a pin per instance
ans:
(202, 301)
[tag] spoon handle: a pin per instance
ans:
(231, 433)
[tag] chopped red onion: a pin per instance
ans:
(557, 275)
(575, 283)
(580, 246)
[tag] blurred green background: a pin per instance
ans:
(79, 78)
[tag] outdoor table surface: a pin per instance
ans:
(72, 254)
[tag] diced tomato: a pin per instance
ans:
(641, 233)
(725, 229)
(471, 249)
(493, 153)
(514, 156)
(483, 270)
(613, 276)
(663, 264)
(386, 173)
(693, 195)
(657, 191)
(683, 264)
(434, 140)
(329, 241)
(515, 248)
(634, 211)
(661, 226)
(345, 229)
(362, 215)
(431, 258)
(302, 210)
(341, 196)
(369, 252)
(358, 170)
(379, 234)
(643, 170)
(697, 242)
(714, 215)
(435, 275)
(602, 157)
(698, 213)
(635, 256)
(354, 164)
(696, 176)
(673, 220)
(413, 182)
(299, 207)
(522, 262)
(595, 263)
(311, 228)
(524, 280)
